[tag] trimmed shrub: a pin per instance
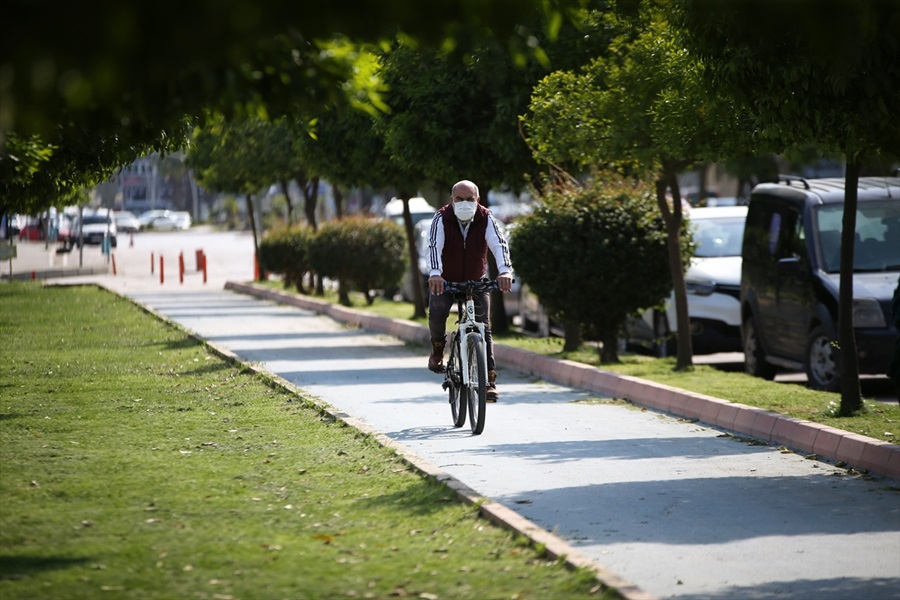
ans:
(362, 254)
(285, 251)
(594, 255)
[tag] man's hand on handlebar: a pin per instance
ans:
(436, 285)
(504, 282)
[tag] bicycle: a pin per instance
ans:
(466, 371)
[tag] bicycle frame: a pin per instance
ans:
(468, 326)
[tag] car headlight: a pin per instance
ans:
(867, 313)
(699, 289)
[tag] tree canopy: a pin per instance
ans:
(88, 88)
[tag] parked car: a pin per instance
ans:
(147, 217)
(126, 221)
(791, 276)
(713, 282)
(95, 226)
(419, 208)
(33, 230)
(159, 220)
(182, 219)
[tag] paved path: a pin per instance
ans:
(676, 507)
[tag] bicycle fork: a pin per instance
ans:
(467, 328)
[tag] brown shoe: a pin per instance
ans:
(436, 359)
(492, 394)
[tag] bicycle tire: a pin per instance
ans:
(477, 389)
(454, 381)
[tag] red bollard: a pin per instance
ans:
(152, 260)
(161, 270)
(203, 260)
(34, 275)
(113, 256)
(198, 256)
(181, 267)
(255, 268)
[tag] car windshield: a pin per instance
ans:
(877, 244)
(95, 219)
(718, 237)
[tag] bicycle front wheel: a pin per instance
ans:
(477, 389)
(454, 383)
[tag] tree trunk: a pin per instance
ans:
(252, 216)
(571, 336)
(609, 338)
(417, 284)
(851, 394)
(310, 189)
(287, 199)
(338, 201)
(673, 218)
(344, 294)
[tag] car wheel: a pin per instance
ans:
(754, 358)
(823, 370)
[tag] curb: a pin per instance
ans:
(802, 436)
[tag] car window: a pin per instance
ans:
(877, 239)
(792, 243)
(718, 237)
(774, 232)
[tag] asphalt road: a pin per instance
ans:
(678, 508)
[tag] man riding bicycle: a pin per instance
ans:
(458, 241)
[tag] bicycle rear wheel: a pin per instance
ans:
(477, 389)
(454, 382)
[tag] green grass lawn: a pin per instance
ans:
(138, 464)
(878, 420)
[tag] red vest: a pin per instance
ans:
(464, 260)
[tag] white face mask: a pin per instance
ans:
(464, 211)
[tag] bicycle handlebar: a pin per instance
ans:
(470, 287)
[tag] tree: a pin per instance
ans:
(453, 119)
(642, 111)
(828, 77)
(114, 65)
(348, 148)
(225, 157)
(580, 250)
(96, 96)
(38, 172)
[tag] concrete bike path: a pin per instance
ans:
(678, 508)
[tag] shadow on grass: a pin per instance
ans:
(422, 499)
(21, 566)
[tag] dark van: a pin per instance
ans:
(790, 276)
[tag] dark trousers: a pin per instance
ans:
(439, 308)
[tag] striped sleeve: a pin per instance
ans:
(435, 245)
(496, 241)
